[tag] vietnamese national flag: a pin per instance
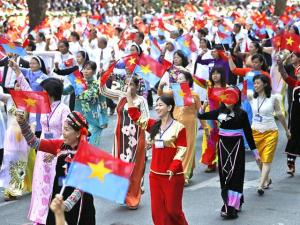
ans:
(97, 172)
(291, 42)
(69, 62)
(150, 69)
(277, 41)
(31, 101)
(182, 94)
(221, 94)
(128, 62)
(78, 82)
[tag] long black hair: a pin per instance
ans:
(222, 72)
(267, 85)
(169, 101)
(262, 60)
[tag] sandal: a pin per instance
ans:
(268, 185)
(260, 191)
(291, 171)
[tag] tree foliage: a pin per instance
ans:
(37, 12)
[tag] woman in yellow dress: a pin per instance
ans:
(187, 115)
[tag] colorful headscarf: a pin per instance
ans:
(77, 121)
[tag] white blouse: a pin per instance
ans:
(263, 113)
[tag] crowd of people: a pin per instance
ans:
(215, 51)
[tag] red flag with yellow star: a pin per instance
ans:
(225, 95)
(291, 42)
(31, 101)
(99, 173)
(128, 62)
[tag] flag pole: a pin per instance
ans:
(63, 188)
(221, 41)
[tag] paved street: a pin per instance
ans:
(279, 206)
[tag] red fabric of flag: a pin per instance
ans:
(87, 153)
(69, 62)
(291, 42)
(154, 66)
(225, 95)
(187, 94)
(31, 101)
(106, 74)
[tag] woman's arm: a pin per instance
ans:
(65, 71)
(181, 143)
(199, 81)
(280, 116)
(135, 114)
(111, 94)
(268, 50)
(249, 136)
(49, 146)
(24, 85)
(212, 115)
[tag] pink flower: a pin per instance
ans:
(132, 141)
(125, 130)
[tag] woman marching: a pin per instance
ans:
(231, 152)
(168, 138)
(129, 141)
(187, 115)
(264, 128)
(45, 163)
(217, 79)
(91, 103)
(293, 146)
(79, 206)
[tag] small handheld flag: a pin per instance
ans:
(182, 94)
(77, 82)
(99, 173)
(31, 101)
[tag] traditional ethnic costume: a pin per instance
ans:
(93, 106)
(231, 154)
(13, 170)
(129, 142)
(168, 151)
(187, 115)
(209, 142)
(79, 206)
(293, 146)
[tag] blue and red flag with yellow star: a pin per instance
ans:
(182, 94)
(99, 173)
(14, 49)
(31, 101)
(150, 69)
(186, 44)
(78, 82)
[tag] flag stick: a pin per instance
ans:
(62, 189)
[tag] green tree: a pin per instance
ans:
(280, 6)
(36, 11)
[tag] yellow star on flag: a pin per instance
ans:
(222, 97)
(99, 170)
(131, 61)
(145, 69)
(11, 45)
(30, 102)
(181, 93)
(78, 81)
(186, 43)
(289, 41)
